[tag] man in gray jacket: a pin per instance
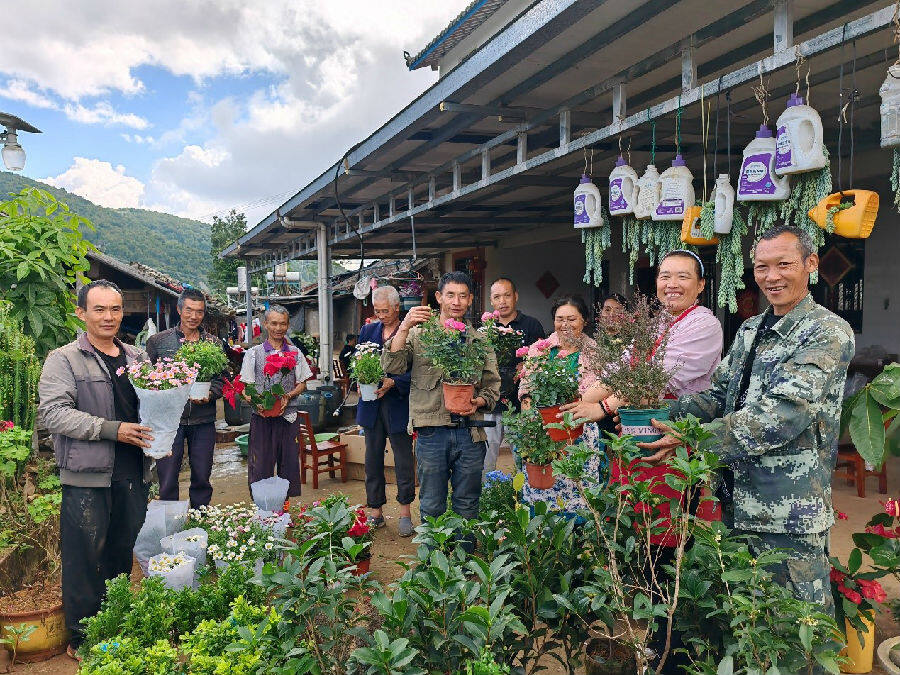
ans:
(198, 421)
(89, 406)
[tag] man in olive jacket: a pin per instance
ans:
(448, 447)
(89, 406)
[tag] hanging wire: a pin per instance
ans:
(842, 111)
(704, 134)
(761, 94)
(728, 128)
(678, 127)
(854, 94)
(716, 150)
(412, 227)
(652, 137)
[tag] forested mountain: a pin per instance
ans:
(176, 246)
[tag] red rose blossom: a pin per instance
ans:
(892, 507)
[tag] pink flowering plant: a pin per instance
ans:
(549, 380)
(445, 345)
(506, 341)
(165, 374)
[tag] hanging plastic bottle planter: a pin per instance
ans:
(850, 214)
(648, 194)
(623, 188)
(799, 145)
(758, 181)
(676, 186)
(588, 204)
(890, 108)
(690, 229)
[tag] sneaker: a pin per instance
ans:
(406, 527)
(73, 654)
(376, 523)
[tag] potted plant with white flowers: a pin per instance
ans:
(365, 368)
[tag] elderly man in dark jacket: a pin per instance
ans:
(387, 417)
(198, 421)
(89, 406)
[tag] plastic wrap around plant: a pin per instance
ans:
(191, 542)
(161, 411)
(278, 523)
(176, 571)
(269, 493)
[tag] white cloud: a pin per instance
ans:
(104, 113)
(20, 90)
(100, 183)
(137, 138)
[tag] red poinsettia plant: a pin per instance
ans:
(271, 397)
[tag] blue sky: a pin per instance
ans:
(195, 108)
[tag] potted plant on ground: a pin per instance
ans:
(550, 382)
(208, 357)
(856, 599)
(410, 295)
(337, 531)
(640, 376)
(460, 361)
(506, 341)
(525, 431)
(31, 613)
(365, 368)
(270, 401)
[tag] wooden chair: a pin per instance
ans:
(319, 457)
(341, 378)
(855, 471)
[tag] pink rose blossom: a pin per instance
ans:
(521, 351)
(453, 324)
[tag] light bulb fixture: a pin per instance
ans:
(12, 153)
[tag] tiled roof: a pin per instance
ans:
(461, 27)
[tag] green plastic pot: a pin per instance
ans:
(242, 442)
(636, 423)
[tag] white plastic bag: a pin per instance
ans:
(278, 524)
(178, 577)
(174, 512)
(147, 543)
(161, 411)
(192, 542)
(269, 493)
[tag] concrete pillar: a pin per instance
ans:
(326, 308)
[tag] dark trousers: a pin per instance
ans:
(201, 441)
(401, 444)
(97, 530)
(273, 442)
(448, 454)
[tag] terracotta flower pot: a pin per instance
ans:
(540, 476)
(362, 567)
(458, 397)
(276, 410)
(49, 638)
(549, 415)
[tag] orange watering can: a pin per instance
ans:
(854, 221)
(690, 228)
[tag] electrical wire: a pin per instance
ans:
(337, 198)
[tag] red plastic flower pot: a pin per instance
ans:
(276, 410)
(362, 567)
(540, 476)
(549, 415)
(458, 397)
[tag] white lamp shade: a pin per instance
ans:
(13, 154)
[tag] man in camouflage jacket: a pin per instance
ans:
(775, 408)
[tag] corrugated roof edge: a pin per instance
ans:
(470, 17)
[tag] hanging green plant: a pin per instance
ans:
(596, 240)
(807, 190)
(762, 215)
(631, 242)
(895, 178)
(730, 256)
(20, 370)
(832, 211)
(708, 220)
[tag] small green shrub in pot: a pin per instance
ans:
(206, 355)
(525, 430)
(365, 368)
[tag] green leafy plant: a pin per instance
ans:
(548, 380)
(13, 634)
(337, 530)
(856, 594)
(20, 371)
(486, 665)
(309, 344)
(205, 355)
(596, 240)
(642, 378)
(42, 255)
(388, 657)
(525, 430)
(498, 496)
(365, 366)
(730, 256)
(445, 345)
(505, 340)
(127, 656)
(871, 415)
(832, 212)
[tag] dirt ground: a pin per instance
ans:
(230, 486)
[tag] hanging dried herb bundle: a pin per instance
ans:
(730, 256)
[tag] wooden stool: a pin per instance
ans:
(321, 456)
(855, 470)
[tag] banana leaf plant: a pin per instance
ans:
(871, 415)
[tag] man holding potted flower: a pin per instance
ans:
(277, 365)
(198, 421)
(451, 438)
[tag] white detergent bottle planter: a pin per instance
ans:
(676, 191)
(622, 188)
(587, 204)
(758, 182)
(799, 146)
(890, 108)
(723, 204)
(647, 198)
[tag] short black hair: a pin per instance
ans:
(617, 297)
(351, 336)
(804, 241)
(99, 283)
(575, 301)
(690, 255)
(507, 280)
(456, 278)
(191, 294)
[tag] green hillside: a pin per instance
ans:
(176, 246)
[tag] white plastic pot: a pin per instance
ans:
(178, 577)
(179, 542)
(200, 391)
(269, 493)
(367, 391)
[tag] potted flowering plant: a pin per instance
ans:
(337, 530)
(525, 431)
(410, 295)
(235, 534)
(365, 368)
(270, 401)
(208, 357)
(460, 361)
(505, 340)
(856, 599)
(162, 389)
(551, 383)
(640, 378)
